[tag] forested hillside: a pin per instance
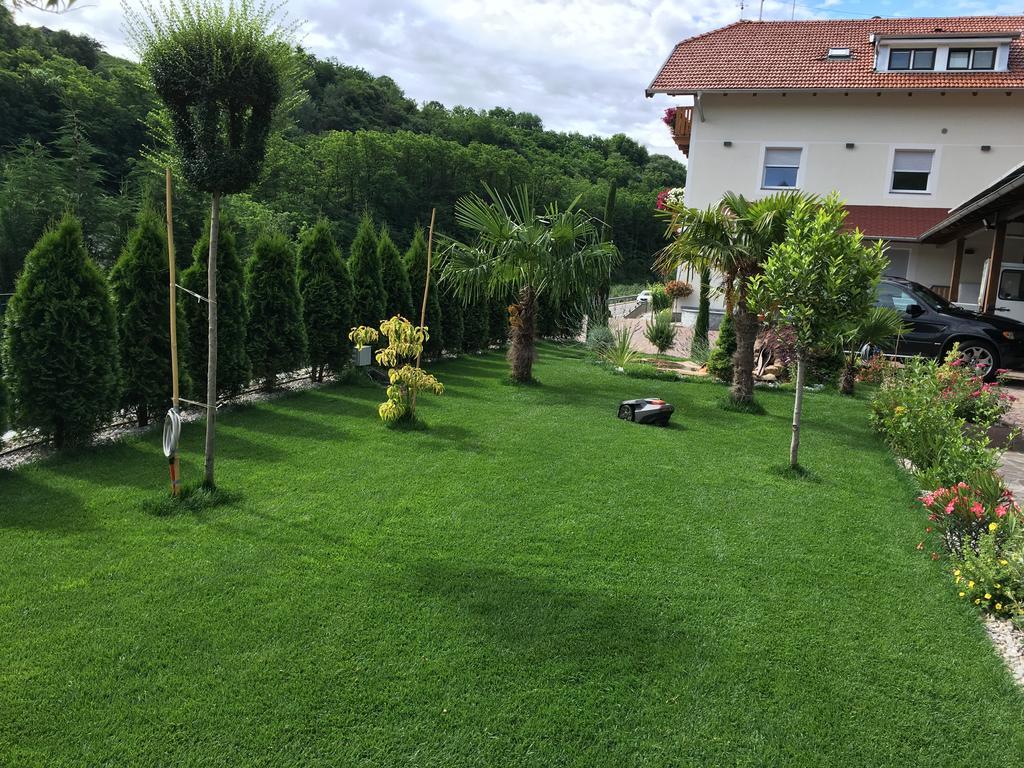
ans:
(73, 137)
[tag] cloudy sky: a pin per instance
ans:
(582, 65)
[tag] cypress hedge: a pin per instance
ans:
(369, 302)
(60, 349)
(497, 325)
(452, 324)
(397, 290)
(139, 286)
(232, 358)
(476, 325)
(275, 336)
(416, 265)
(326, 290)
(3, 389)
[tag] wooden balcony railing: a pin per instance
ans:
(681, 129)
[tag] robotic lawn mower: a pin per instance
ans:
(648, 410)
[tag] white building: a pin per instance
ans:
(917, 123)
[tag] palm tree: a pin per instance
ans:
(733, 238)
(558, 253)
(879, 326)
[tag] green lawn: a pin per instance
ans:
(530, 582)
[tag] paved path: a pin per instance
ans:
(1012, 467)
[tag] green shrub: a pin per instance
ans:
(395, 279)
(599, 338)
(232, 358)
(975, 400)
(60, 347)
(326, 290)
(138, 284)
(920, 422)
(822, 368)
(452, 322)
(991, 575)
(416, 266)
(620, 352)
(648, 371)
(659, 297)
(497, 322)
(476, 328)
(275, 337)
(699, 348)
(369, 298)
(660, 331)
(719, 362)
(3, 387)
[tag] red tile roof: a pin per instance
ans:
(792, 55)
(893, 222)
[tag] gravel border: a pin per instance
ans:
(1009, 642)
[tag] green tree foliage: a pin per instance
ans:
(369, 298)
(326, 290)
(3, 388)
(699, 346)
(660, 331)
(233, 369)
(395, 279)
(476, 325)
(139, 286)
(497, 322)
(453, 328)
(416, 266)
(60, 347)
(720, 360)
(276, 337)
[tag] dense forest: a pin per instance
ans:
(73, 137)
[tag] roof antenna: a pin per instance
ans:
(792, 16)
(760, 12)
(743, 6)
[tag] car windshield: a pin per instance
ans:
(931, 298)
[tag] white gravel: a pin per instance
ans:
(1009, 641)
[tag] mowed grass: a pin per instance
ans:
(527, 582)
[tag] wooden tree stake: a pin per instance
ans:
(173, 286)
(426, 293)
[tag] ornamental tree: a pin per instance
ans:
(326, 290)
(60, 346)
(369, 299)
(416, 265)
(819, 280)
(222, 73)
(514, 248)
(397, 291)
(138, 284)
(275, 337)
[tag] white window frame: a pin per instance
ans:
(932, 175)
(795, 145)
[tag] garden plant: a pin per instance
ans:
(660, 331)
(325, 287)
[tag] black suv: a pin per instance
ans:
(986, 341)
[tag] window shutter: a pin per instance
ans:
(783, 157)
(913, 161)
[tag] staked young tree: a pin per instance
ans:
(416, 265)
(233, 370)
(369, 299)
(223, 73)
(326, 290)
(138, 284)
(395, 279)
(275, 338)
(60, 346)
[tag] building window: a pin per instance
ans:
(912, 58)
(899, 262)
(1011, 285)
(912, 170)
(972, 58)
(781, 168)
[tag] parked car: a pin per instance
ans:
(645, 296)
(987, 342)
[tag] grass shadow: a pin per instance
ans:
(193, 500)
(39, 506)
(753, 408)
(799, 472)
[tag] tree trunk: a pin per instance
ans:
(745, 324)
(211, 340)
(798, 405)
(848, 376)
(521, 353)
(142, 416)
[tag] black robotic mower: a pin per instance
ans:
(648, 410)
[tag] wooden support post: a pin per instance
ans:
(426, 293)
(954, 278)
(173, 286)
(995, 267)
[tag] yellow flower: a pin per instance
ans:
(970, 585)
(999, 606)
(1003, 562)
(977, 602)
(956, 572)
(992, 527)
(999, 586)
(961, 594)
(988, 596)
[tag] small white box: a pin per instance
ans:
(361, 356)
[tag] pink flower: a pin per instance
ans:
(1001, 510)
(978, 510)
(950, 507)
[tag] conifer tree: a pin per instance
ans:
(232, 358)
(60, 348)
(138, 285)
(395, 279)
(3, 389)
(476, 325)
(275, 338)
(497, 325)
(326, 290)
(369, 302)
(416, 265)
(452, 324)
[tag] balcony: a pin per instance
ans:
(681, 127)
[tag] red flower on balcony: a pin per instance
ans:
(670, 117)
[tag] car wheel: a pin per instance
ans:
(981, 357)
(626, 412)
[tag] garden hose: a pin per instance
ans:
(172, 432)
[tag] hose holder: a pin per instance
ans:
(172, 432)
